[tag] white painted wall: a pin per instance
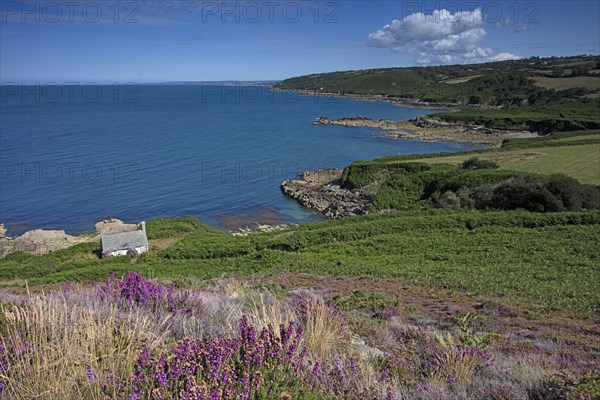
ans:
(140, 250)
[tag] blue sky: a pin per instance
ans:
(157, 41)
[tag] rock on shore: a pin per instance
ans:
(385, 124)
(430, 130)
(38, 241)
(258, 228)
(322, 191)
(112, 226)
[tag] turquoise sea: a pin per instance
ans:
(72, 155)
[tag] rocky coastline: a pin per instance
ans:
(430, 130)
(321, 190)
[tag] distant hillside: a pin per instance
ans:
(507, 83)
(536, 94)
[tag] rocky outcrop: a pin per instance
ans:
(39, 242)
(384, 124)
(258, 228)
(112, 226)
(322, 191)
(430, 130)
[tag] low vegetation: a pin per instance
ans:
(474, 184)
(522, 255)
(140, 339)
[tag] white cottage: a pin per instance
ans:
(121, 244)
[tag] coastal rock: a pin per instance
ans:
(112, 226)
(2, 231)
(40, 241)
(258, 228)
(357, 121)
(322, 191)
(364, 350)
(430, 130)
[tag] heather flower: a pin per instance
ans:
(136, 291)
(91, 374)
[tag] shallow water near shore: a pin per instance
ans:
(71, 156)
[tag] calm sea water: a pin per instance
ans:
(72, 155)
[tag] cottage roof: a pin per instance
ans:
(123, 241)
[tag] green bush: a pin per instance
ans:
(449, 200)
(525, 193)
(568, 190)
(363, 173)
(477, 163)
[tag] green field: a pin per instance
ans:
(580, 138)
(589, 82)
(581, 162)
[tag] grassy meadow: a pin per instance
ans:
(579, 161)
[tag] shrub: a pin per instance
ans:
(590, 198)
(585, 386)
(492, 190)
(449, 200)
(477, 163)
(362, 173)
(526, 193)
(568, 190)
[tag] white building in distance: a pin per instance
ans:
(120, 244)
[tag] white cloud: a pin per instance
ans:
(523, 28)
(502, 23)
(440, 37)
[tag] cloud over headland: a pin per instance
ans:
(439, 37)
